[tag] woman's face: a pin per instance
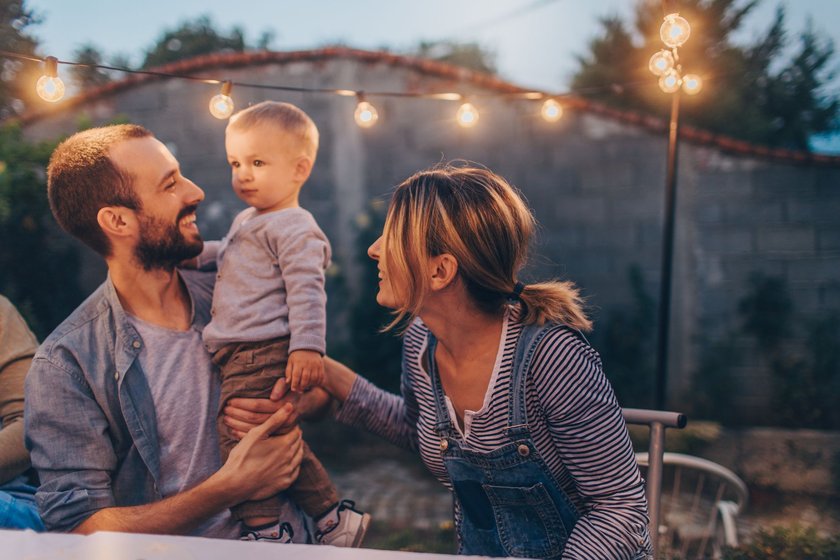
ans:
(387, 296)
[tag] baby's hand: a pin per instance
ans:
(304, 370)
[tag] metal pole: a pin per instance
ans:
(667, 255)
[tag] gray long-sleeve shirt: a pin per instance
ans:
(270, 281)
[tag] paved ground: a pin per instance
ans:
(405, 496)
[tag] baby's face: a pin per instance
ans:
(265, 167)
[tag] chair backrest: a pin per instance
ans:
(699, 505)
(657, 421)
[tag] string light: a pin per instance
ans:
(661, 62)
(692, 84)
(551, 110)
(467, 115)
(49, 86)
(221, 105)
(674, 31)
(365, 114)
(670, 81)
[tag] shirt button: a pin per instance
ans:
(523, 450)
(116, 375)
(444, 445)
(136, 344)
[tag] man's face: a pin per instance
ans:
(167, 232)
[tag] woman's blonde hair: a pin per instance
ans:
(481, 220)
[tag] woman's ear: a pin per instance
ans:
(443, 269)
(117, 221)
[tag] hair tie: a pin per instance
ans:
(517, 289)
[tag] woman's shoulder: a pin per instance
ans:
(563, 349)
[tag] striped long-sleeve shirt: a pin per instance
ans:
(575, 421)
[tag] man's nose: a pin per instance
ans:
(194, 194)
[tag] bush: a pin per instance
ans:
(787, 543)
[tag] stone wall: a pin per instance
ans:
(596, 186)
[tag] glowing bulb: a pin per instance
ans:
(661, 62)
(49, 86)
(670, 81)
(365, 115)
(467, 115)
(692, 84)
(675, 30)
(221, 105)
(551, 110)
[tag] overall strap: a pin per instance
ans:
(443, 422)
(527, 344)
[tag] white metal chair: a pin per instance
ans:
(699, 506)
(657, 421)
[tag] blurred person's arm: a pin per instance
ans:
(17, 346)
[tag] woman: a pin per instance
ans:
(502, 396)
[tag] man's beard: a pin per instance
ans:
(162, 246)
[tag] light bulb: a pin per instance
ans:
(221, 105)
(670, 81)
(467, 115)
(551, 110)
(366, 114)
(675, 30)
(692, 84)
(49, 86)
(661, 62)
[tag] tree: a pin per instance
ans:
(39, 269)
(88, 75)
(15, 20)
(468, 55)
(755, 91)
(193, 38)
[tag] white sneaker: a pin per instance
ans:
(344, 526)
(279, 533)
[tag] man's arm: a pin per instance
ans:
(261, 465)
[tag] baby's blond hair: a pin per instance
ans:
(287, 117)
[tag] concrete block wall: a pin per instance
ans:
(596, 186)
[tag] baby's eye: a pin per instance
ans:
(258, 163)
(234, 164)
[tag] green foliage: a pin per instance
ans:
(754, 91)
(436, 541)
(626, 344)
(469, 55)
(38, 268)
(374, 354)
(86, 76)
(15, 21)
(193, 38)
(803, 354)
(787, 543)
(715, 385)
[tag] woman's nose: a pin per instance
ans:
(374, 251)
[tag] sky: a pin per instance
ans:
(536, 42)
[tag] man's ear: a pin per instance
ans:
(303, 167)
(444, 270)
(117, 221)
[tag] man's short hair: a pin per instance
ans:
(82, 179)
(287, 117)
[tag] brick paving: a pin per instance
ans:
(403, 495)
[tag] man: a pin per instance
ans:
(17, 496)
(121, 399)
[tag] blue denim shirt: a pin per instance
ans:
(90, 420)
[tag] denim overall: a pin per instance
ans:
(507, 502)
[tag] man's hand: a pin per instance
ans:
(262, 463)
(304, 370)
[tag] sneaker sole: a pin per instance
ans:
(357, 542)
